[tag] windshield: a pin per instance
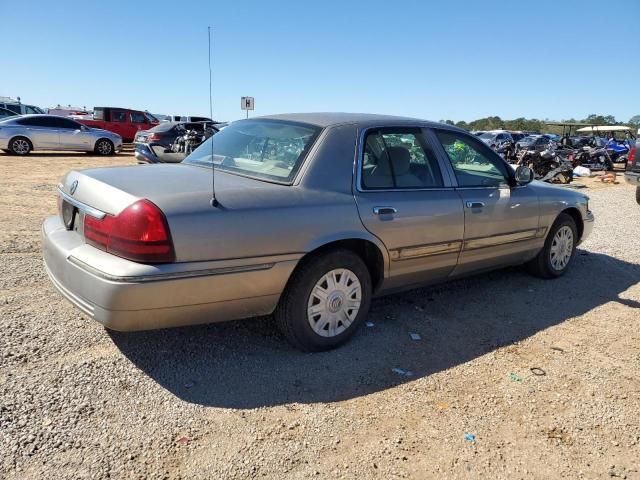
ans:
(488, 136)
(266, 149)
(151, 118)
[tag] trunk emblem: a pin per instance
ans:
(74, 187)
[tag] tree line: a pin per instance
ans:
(535, 125)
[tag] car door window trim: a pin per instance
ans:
(421, 136)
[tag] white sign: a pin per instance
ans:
(247, 103)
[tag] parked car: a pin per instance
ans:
(123, 121)
(536, 143)
(152, 145)
(22, 134)
(4, 113)
(313, 215)
(632, 173)
(186, 118)
(20, 108)
(495, 138)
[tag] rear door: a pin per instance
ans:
(42, 132)
(120, 124)
(501, 221)
(72, 136)
(404, 199)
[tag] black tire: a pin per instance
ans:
(291, 313)
(638, 195)
(20, 146)
(104, 147)
(541, 266)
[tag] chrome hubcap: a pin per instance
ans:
(334, 302)
(562, 248)
(104, 148)
(20, 146)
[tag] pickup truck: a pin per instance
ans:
(123, 121)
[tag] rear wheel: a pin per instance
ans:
(20, 146)
(104, 147)
(325, 301)
(638, 195)
(559, 249)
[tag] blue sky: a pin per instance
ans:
(457, 60)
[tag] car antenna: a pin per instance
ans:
(214, 201)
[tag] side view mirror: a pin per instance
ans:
(524, 175)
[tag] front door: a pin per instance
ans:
(404, 200)
(73, 136)
(502, 224)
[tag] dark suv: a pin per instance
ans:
(632, 175)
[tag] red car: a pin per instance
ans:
(123, 121)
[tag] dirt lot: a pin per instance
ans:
(540, 376)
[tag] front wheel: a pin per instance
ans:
(638, 195)
(104, 147)
(325, 301)
(559, 249)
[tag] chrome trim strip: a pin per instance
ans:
(86, 209)
(502, 239)
(426, 250)
(169, 276)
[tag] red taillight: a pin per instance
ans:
(632, 157)
(139, 233)
(154, 137)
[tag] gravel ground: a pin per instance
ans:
(235, 401)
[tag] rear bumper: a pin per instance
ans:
(124, 295)
(632, 177)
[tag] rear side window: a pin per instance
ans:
(118, 116)
(13, 108)
(398, 158)
(474, 164)
(35, 122)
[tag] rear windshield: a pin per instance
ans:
(265, 149)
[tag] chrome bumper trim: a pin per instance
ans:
(169, 276)
(86, 209)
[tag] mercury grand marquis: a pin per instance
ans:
(312, 216)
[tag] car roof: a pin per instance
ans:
(327, 119)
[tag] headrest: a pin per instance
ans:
(401, 160)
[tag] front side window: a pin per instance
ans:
(264, 149)
(474, 164)
(68, 124)
(138, 117)
(398, 158)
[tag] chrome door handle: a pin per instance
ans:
(384, 210)
(475, 204)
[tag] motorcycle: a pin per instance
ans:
(547, 165)
(191, 140)
(506, 150)
(594, 158)
(618, 151)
